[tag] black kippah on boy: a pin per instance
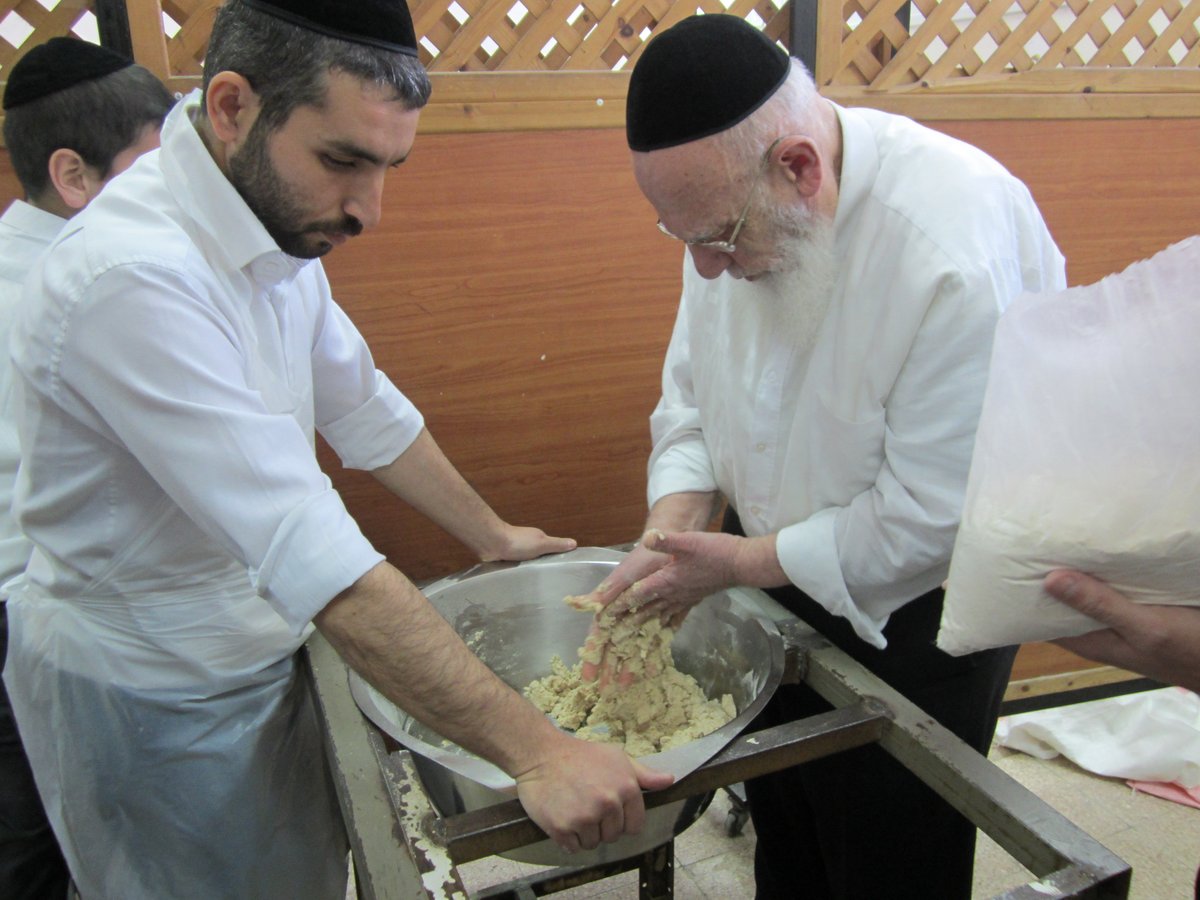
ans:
(699, 78)
(386, 24)
(56, 65)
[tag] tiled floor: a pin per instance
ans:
(1160, 839)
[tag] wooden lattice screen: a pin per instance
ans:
(466, 36)
(890, 44)
(545, 35)
(26, 23)
(565, 63)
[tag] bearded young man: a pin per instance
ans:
(843, 276)
(178, 349)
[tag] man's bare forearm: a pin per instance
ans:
(391, 635)
(424, 478)
(427, 480)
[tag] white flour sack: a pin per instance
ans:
(1087, 456)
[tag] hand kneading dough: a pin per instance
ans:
(661, 708)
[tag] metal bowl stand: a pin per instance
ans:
(403, 849)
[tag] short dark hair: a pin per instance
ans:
(97, 119)
(287, 64)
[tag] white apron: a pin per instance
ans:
(174, 743)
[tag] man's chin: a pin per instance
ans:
(766, 276)
(740, 274)
(305, 246)
(773, 269)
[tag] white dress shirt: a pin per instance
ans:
(856, 452)
(174, 366)
(25, 231)
(175, 363)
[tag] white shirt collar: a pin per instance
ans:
(37, 223)
(25, 231)
(860, 165)
(201, 188)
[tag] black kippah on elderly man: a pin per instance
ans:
(844, 270)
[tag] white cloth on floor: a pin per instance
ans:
(1148, 738)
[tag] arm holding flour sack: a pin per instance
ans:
(1162, 642)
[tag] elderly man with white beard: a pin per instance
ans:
(843, 275)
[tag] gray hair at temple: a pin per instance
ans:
(286, 64)
(97, 118)
(792, 109)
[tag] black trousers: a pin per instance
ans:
(858, 824)
(31, 865)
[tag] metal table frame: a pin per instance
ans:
(403, 849)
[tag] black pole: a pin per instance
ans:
(112, 20)
(803, 29)
(803, 32)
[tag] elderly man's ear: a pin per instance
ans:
(800, 157)
(75, 182)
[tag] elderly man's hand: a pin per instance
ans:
(1162, 642)
(581, 794)
(673, 573)
(637, 564)
(699, 563)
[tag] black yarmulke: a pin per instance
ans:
(56, 65)
(698, 78)
(386, 24)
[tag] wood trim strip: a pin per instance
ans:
(466, 102)
(1062, 682)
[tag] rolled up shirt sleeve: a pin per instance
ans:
(808, 554)
(367, 421)
(378, 432)
(317, 552)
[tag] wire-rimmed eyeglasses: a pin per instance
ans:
(730, 246)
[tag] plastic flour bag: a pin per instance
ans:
(1087, 456)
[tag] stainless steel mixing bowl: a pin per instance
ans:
(512, 616)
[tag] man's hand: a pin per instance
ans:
(608, 601)
(1162, 642)
(688, 511)
(581, 794)
(517, 542)
(700, 563)
(665, 577)
(637, 565)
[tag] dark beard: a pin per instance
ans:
(274, 203)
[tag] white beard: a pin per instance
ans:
(795, 294)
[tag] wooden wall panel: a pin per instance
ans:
(9, 186)
(519, 293)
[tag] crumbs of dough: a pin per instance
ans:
(661, 708)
